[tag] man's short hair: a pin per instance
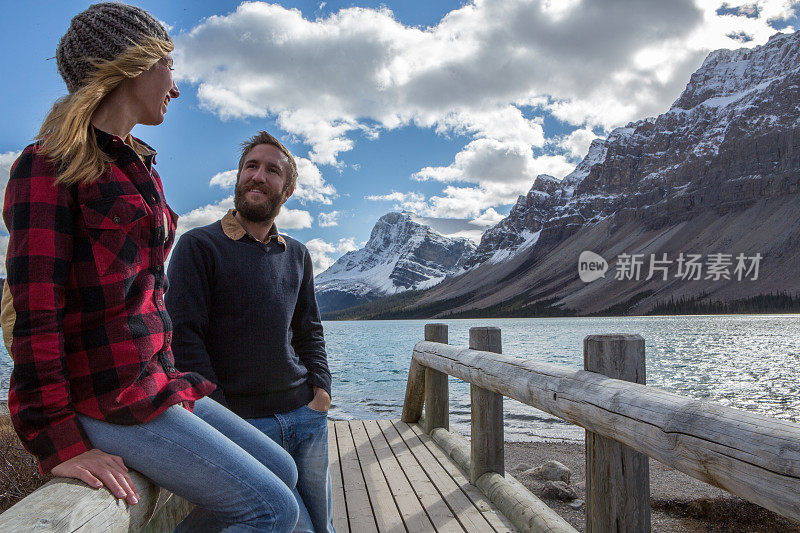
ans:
(262, 137)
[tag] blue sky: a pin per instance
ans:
(448, 109)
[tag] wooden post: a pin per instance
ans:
(415, 393)
(437, 394)
(617, 477)
(487, 453)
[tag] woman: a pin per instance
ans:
(94, 389)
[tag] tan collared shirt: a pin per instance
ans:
(234, 230)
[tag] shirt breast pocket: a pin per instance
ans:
(115, 232)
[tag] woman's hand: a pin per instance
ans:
(97, 468)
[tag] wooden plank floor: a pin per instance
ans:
(388, 476)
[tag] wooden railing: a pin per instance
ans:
(750, 455)
(69, 505)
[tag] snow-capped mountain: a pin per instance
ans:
(719, 172)
(401, 255)
(694, 156)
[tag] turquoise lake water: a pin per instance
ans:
(750, 362)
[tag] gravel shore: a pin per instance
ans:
(679, 502)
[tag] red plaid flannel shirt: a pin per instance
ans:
(85, 268)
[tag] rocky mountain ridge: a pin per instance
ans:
(695, 156)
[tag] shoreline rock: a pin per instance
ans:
(679, 502)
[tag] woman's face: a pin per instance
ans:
(149, 93)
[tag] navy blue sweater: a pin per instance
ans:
(245, 317)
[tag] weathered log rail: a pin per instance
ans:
(63, 505)
(750, 455)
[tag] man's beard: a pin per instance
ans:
(266, 209)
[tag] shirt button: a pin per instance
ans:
(116, 220)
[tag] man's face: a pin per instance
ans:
(259, 192)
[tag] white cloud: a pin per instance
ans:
(310, 184)
(490, 70)
(403, 201)
(6, 161)
(224, 180)
(490, 217)
(395, 196)
(329, 77)
(202, 216)
(293, 219)
(753, 20)
(322, 252)
(3, 250)
(485, 160)
(327, 136)
(504, 124)
(457, 202)
(577, 143)
(502, 170)
(453, 227)
(472, 234)
(327, 220)
(467, 202)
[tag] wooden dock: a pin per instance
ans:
(414, 475)
(389, 476)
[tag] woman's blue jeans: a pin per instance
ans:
(213, 459)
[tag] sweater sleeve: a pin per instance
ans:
(307, 337)
(39, 217)
(188, 300)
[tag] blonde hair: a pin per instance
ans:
(66, 135)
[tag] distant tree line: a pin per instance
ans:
(407, 306)
(397, 306)
(773, 302)
(623, 308)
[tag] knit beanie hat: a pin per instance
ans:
(102, 31)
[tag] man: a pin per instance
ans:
(242, 302)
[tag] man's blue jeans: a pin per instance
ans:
(240, 480)
(304, 434)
